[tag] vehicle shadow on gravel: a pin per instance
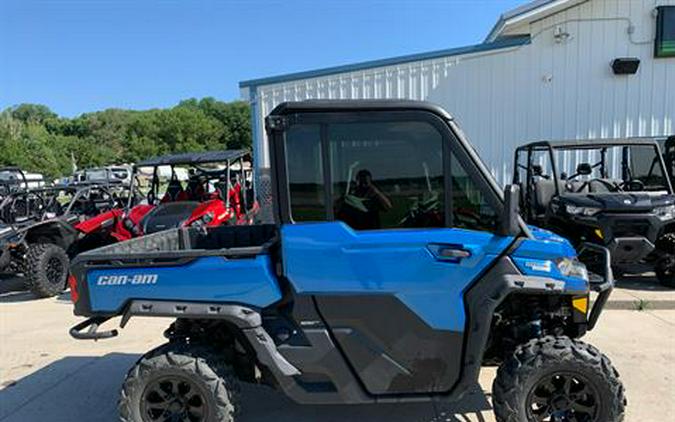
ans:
(642, 283)
(85, 388)
(13, 290)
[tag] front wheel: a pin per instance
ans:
(665, 270)
(558, 379)
(178, 382)
(665, 265)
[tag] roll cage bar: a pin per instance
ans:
(228, 157)
(46, 196)
(669, 157)
(601, 145)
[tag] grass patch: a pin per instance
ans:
(641, 305)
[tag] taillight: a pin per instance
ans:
(72, 282)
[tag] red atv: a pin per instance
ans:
(198, 189)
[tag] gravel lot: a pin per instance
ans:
(46, 375)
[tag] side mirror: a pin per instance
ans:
(510, 221)
(584, 169)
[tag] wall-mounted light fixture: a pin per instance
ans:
(626, 65)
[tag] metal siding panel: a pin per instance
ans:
(502, 98)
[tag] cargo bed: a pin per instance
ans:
(158, 271)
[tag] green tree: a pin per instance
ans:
(35, 138)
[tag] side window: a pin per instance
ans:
(387, 174)
(305, 173)
(470, 209)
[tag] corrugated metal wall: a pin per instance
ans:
(549, 89)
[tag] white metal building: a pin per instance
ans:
(544, 72)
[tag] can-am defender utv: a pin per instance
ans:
(190, 189)
(44, 228)
(614, 193)
(347, 300)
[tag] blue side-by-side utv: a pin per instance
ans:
(395, 268)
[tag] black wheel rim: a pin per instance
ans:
(562, 397)
(55, 270)
(666, 267)
(173, 399)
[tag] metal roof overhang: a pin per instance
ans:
(503, 43)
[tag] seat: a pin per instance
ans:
(174, 192)
(544, 190)
(576, 186)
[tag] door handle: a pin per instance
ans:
(449, 253)
(453, 253)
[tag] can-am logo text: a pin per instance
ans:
(121, 280)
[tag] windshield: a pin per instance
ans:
(612, 168)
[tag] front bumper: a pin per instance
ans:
(598, 259)
(630, 249)
(629, 237)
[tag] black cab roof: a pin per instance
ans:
(357, 105)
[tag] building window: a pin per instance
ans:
(665, 32)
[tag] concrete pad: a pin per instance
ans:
(641, 345)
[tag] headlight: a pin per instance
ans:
(665, 213)
(203, 220)
(207, 218)
(571, 267)
(584, 211)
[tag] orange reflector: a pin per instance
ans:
(580, 304)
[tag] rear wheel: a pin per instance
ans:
(558, 379)
(46, 269)
(178, 382)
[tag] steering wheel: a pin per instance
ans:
(611, 186)
(633, 185)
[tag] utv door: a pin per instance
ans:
(389, 221)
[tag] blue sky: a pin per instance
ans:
(77, 56)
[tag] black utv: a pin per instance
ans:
(42, 229)
(615, 193)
